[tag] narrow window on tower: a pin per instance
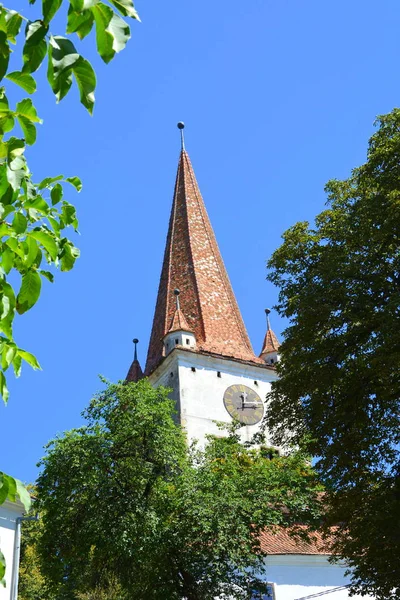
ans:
(176, 342)
(218, 373)
(193, 369)
(256, 383)
(187, 341)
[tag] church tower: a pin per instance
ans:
(199, 345)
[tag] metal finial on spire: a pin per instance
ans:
(181, 126)
(176, 293)
(135, 341)
(267, 312)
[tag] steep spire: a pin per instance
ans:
(192, 263)
(135, 371)
(271, 344)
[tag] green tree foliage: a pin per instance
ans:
(32, 584)
(125, 495)
(339, 385)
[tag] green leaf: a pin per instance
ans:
(50, 7)
(4, 306)
(76, 182)
(7, 301)
(29, 358)
(24, 495)
(48, 181)
(30, 291)
(126, 8)
(38, 204)
(80, 23)
(6, 115)
(28, 129)
(16, 147)
(16, 247)
(35, 47)
(68, 257)
(7, 259)
(56, 194)
(16, 171)
(24, 80)
(32, 252)
(3, 487)
(48, 275)
(3, 388)
(7, 355)
(6, 324)
(14, 21)
(55, 225)
(26, 109)
(4, 54)
(86, 80)
(64, 61)
(2, 569)
(27, 115)
(112, 33)
(17, 365)
(12, 488)
(19, 222)
(8, 294)
(69, 215)
(62, 55)
(47, 242)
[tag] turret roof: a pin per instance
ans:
(135, 372)
(271, 343)
(179, 322)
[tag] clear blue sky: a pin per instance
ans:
(277, 97)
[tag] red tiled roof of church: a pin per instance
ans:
(281, 541)
(193, 263)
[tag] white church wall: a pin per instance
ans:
(199, 395)
(298, 576)
(201, 392)
(8, 514)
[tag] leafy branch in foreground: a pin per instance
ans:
(33, 216)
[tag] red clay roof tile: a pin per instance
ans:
(193, 264)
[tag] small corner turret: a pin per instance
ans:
(179, 332)
(270, 349)
(135, 372)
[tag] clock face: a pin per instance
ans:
(243, 404)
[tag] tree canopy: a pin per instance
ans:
(125, 496)
(338, 391)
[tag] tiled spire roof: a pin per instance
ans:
(179, 322)
(271, 343)
(193, 263)
(135, 372)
